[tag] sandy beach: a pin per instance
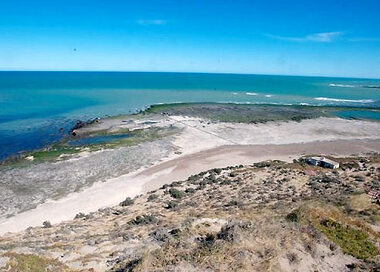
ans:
(113, 191)
(106, 177)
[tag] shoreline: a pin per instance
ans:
(160, 138)
(112, 192)
(333, 108)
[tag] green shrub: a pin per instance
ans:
(46, 224)
(190, 191)
(217, 171)
(127, 202)
(80, 215)
(174, 193)
(294, 216)
(143, 220)
(152, 197)
(176, 183)
(171, 205)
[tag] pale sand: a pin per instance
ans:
(115, 190)
(206, 145)
(231, 155)
(199, 135)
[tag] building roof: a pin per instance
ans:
(325, 160)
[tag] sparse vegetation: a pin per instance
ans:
(171, 205)
(127, 202)
(294, 216)
(292, 257)
(256, 219)
(143, 219)
(46, 224)
(80, 215)
(190, 190)
(175, 193)
(152, 197)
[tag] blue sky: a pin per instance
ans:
(325, 37)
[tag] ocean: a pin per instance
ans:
(35, 105)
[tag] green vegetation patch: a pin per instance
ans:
(293, 216)
(64, 148)
(33, 263)
(352, 235)
(127, 202)
(143, 220)
(152, 197)
(175, 193)
(171, 205)
(352, 241)
(54, 152)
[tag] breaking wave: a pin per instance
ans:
(251, 93)
(341, 85)
(345, 100)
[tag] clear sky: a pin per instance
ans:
(308, 37)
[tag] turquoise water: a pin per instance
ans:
(97, 139)
(35, 105)
(363, 114)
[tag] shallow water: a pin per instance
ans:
(35, 105)
(362, 114)
(97, 139)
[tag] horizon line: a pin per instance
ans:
(186, 72)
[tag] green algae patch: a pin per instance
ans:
(54, 152)
(140, 136)
(352, 235)
(351, 240)
(91, 143)
(33, 263)
(237, 113)
(253, 113)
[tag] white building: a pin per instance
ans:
(323, 162)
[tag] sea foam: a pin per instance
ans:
(341, 85)
(344, 100)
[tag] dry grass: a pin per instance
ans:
(235, 220)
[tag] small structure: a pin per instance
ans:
(323, 162)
